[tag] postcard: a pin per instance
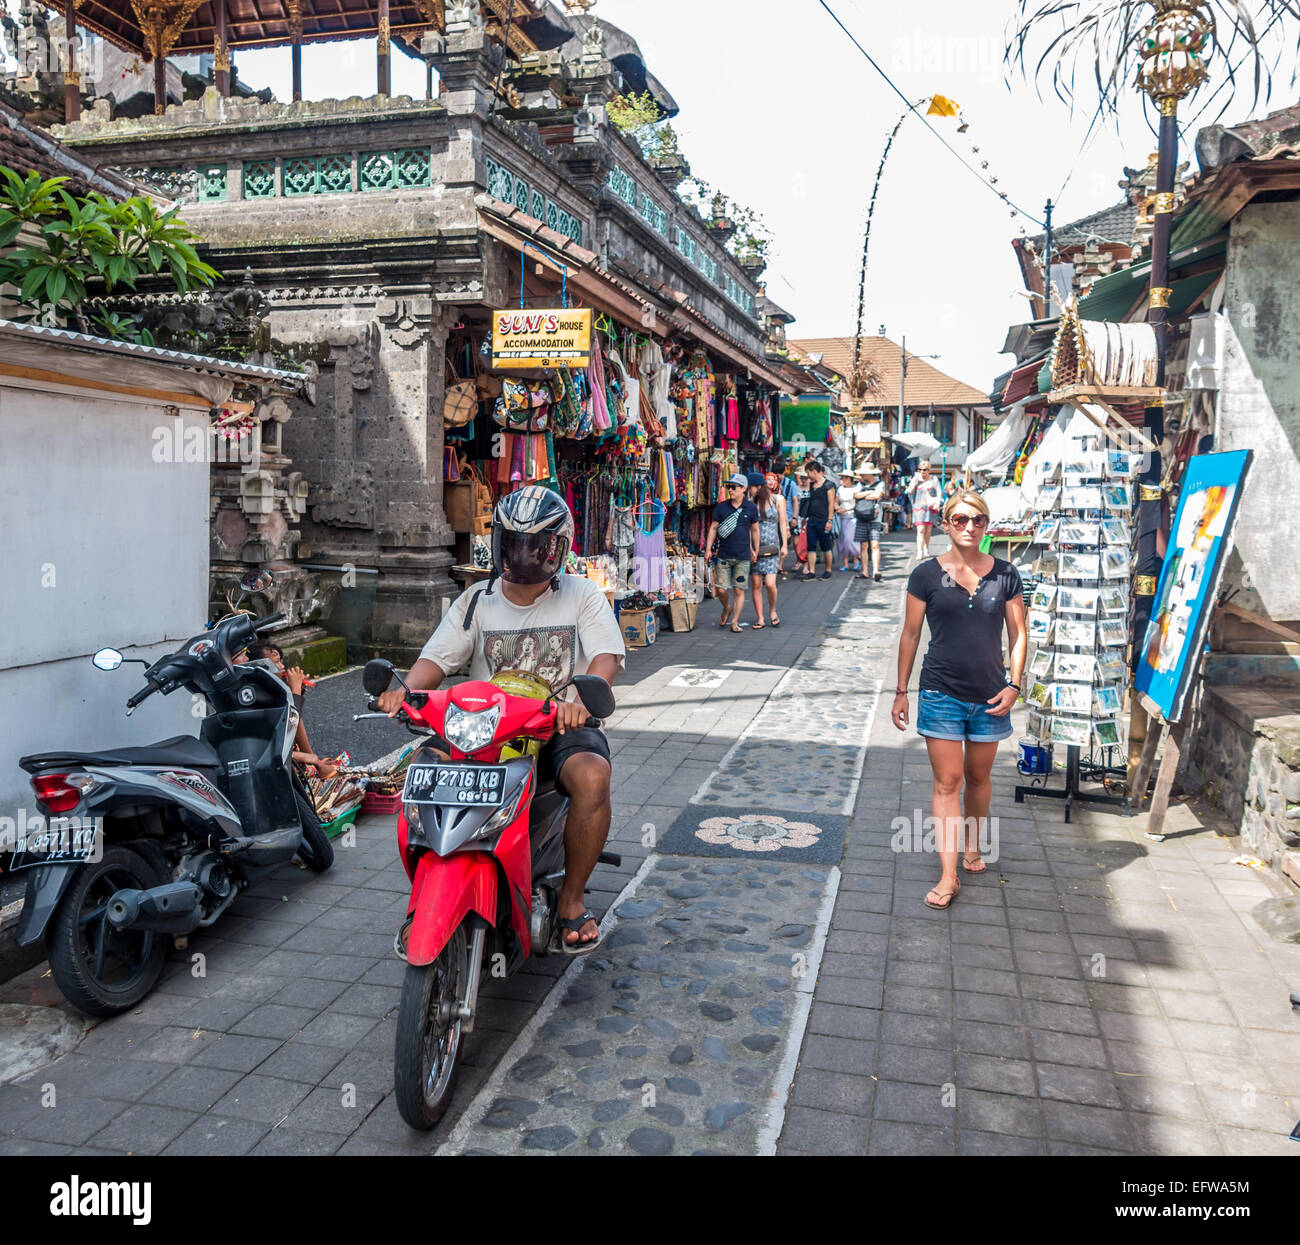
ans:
(1120, 464)
(1088, 498)
(1116, 532)
(1115, 563)
(1070, 731)
(1113, 633)
(1077, 532)
(1077, 600)
(1048, 496)
(1075, 666)
(1040, 664)
(1046, 531)
(1107, 733)
(1107, 698)
(1043, 597)
(1072, 697)
(1080, 566)
(1084, 465)
(1040, 626)
(1118, 497)
(1049, 563)
(1075, 634)
(1111, 668)
(1113, 601)
(1037, 694)
(1038, 726)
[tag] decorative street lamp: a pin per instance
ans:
(1173, 49)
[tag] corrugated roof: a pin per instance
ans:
(1114, 295)
(926, 384)
(152, 354)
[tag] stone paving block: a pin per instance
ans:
(1093, 1126)
(995, 1073)
(834, 1091)
(823, 1132)
(915, 1065)
(972, 1141)
(144, 1129)
(191, 1087)
(1007, 1114)
(213, 1135)
(889, 1137)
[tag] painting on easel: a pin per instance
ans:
(1198, 547)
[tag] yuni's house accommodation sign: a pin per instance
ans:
(542, 337)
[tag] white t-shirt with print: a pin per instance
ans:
(554, 638)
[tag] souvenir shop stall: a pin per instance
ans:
(639, 441)
(1062, 495)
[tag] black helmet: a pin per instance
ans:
(532, 533)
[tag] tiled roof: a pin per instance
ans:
(26, 148)
(926, 384)
(1264, 138)
(1112, 224)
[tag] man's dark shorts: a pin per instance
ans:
(819, 539)
(561, 747)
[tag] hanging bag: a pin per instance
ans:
(460, 403)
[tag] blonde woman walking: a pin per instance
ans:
(966, 695)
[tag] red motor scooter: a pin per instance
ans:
(483, 844)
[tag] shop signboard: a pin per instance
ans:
(1199, 543)
(541, 337)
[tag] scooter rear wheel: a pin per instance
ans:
(316, 850)
(427, 1057)
(101, 970)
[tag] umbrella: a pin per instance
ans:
(917, 444)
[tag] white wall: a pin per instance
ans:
(1259, 401)
(103, 545)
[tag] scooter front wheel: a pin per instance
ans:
(100, 969)
(427, 1057)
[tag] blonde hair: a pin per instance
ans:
(924, 464)
(967, 497)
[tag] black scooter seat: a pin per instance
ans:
(184, 751)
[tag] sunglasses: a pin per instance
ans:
(737, 486)
(959, 521)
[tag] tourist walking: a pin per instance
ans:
(820, 515)
(927, 502)
(964, 704)
(847, 544)
(734, 528)
(868, 517)
(773, 541)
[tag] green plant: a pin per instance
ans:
(78, 243)
(639, 117)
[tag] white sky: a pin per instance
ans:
(781, 112)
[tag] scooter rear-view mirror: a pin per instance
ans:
(377, 675)
(107, 659)
(596, 695)
(256, 581)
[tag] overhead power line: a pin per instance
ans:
(911, 107)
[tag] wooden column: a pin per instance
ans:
(71, 71)
(295, 47)
(221, 49)
(385, 64)
(297, 69)
(159, 84)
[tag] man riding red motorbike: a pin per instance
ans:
(532, 618)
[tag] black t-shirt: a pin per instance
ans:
(964, 659)
(733, 538)
(821, 500)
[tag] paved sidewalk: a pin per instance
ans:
(1093, 993)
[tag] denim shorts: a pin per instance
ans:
(945, 717)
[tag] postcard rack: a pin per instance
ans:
(1075, 679)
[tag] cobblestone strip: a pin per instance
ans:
(824, 707)
(669, 1040)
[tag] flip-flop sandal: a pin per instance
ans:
(574, 925)
(723, 621)
(758, 626)
(946, 896)
(969, 866)
(776, 622)
(735, 630)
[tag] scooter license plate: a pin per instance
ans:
(63, 841)
(457, 786)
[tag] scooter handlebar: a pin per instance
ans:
(143, 694)
(269, 621)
